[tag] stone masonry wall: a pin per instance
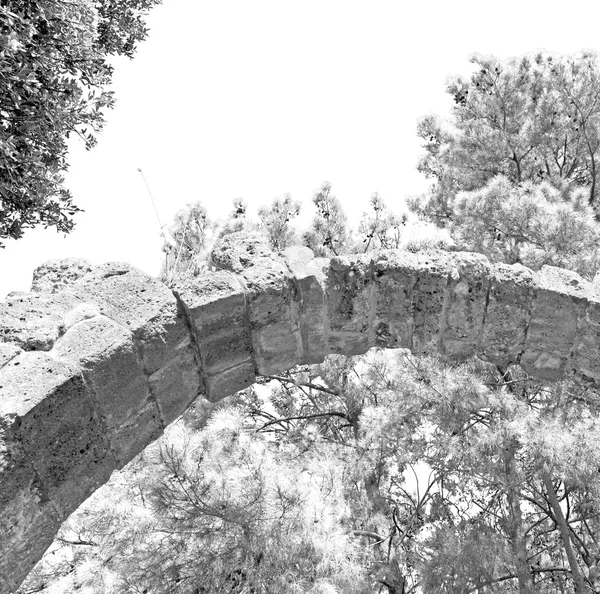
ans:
(97, 360)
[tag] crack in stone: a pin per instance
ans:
(443, 321)
(371, 337)
(246, 292)
(139, 351)
(16, 354)
(296, 309)
(577, 338)
(189, 323)
(478, 346)
(528, 318)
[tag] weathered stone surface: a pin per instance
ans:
(395, 274)
(428, 297)
(237, 251)
(430, 301)
(46, 405)
(276, 340)
(308, 305)
(106, 353)
(81, 312)
(269, 292)
(34, 321)
(26, 522)
(558, 305)
(55, 275)
(508, 314)
(28, 526)
(585, 355)
(8, 351)
(350, 300)
(148, 309)
(464, 305)
(216, 306)
(124, 294)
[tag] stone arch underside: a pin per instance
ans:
(97, 360)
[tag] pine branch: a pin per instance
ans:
(306, 417)
(290, 380)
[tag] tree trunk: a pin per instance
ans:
(578, 581)
(517, 533)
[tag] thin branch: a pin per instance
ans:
(306, 417)
(306, 384)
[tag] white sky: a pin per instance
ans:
(255, 98)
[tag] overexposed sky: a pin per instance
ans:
(255, 98)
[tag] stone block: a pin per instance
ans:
(28, 528)
(54, 275)
(240, 250)
(308, 304)
(178, 382)
(508, 314)
(170, 360)
(47, 404)
(106, 352)
(465, 305)
(16, 471)
(152, 313)
(216, 307)
(34, 321)
(428, 298)
(27, 523)
(395, 274)
(276, 339)
(125, 295)
(350, 298)
(558, 306)
(585, 356)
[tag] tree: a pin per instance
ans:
(276, 221)
(380, 229)
(187, 244)
(54, 75)
(328, 234)
(220, 509)
(237, 219)
(529, 119)
(532, 224)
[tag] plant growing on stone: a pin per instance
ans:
(328, 233)
(276, 221)
(187, 243)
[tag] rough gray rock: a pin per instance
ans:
(54, 275)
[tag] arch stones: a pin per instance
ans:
(97, 360)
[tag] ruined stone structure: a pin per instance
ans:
(96, 361)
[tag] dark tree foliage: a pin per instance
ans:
(533, 118)
(328, 235)
(54, 76)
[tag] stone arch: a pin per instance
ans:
(97, 360)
